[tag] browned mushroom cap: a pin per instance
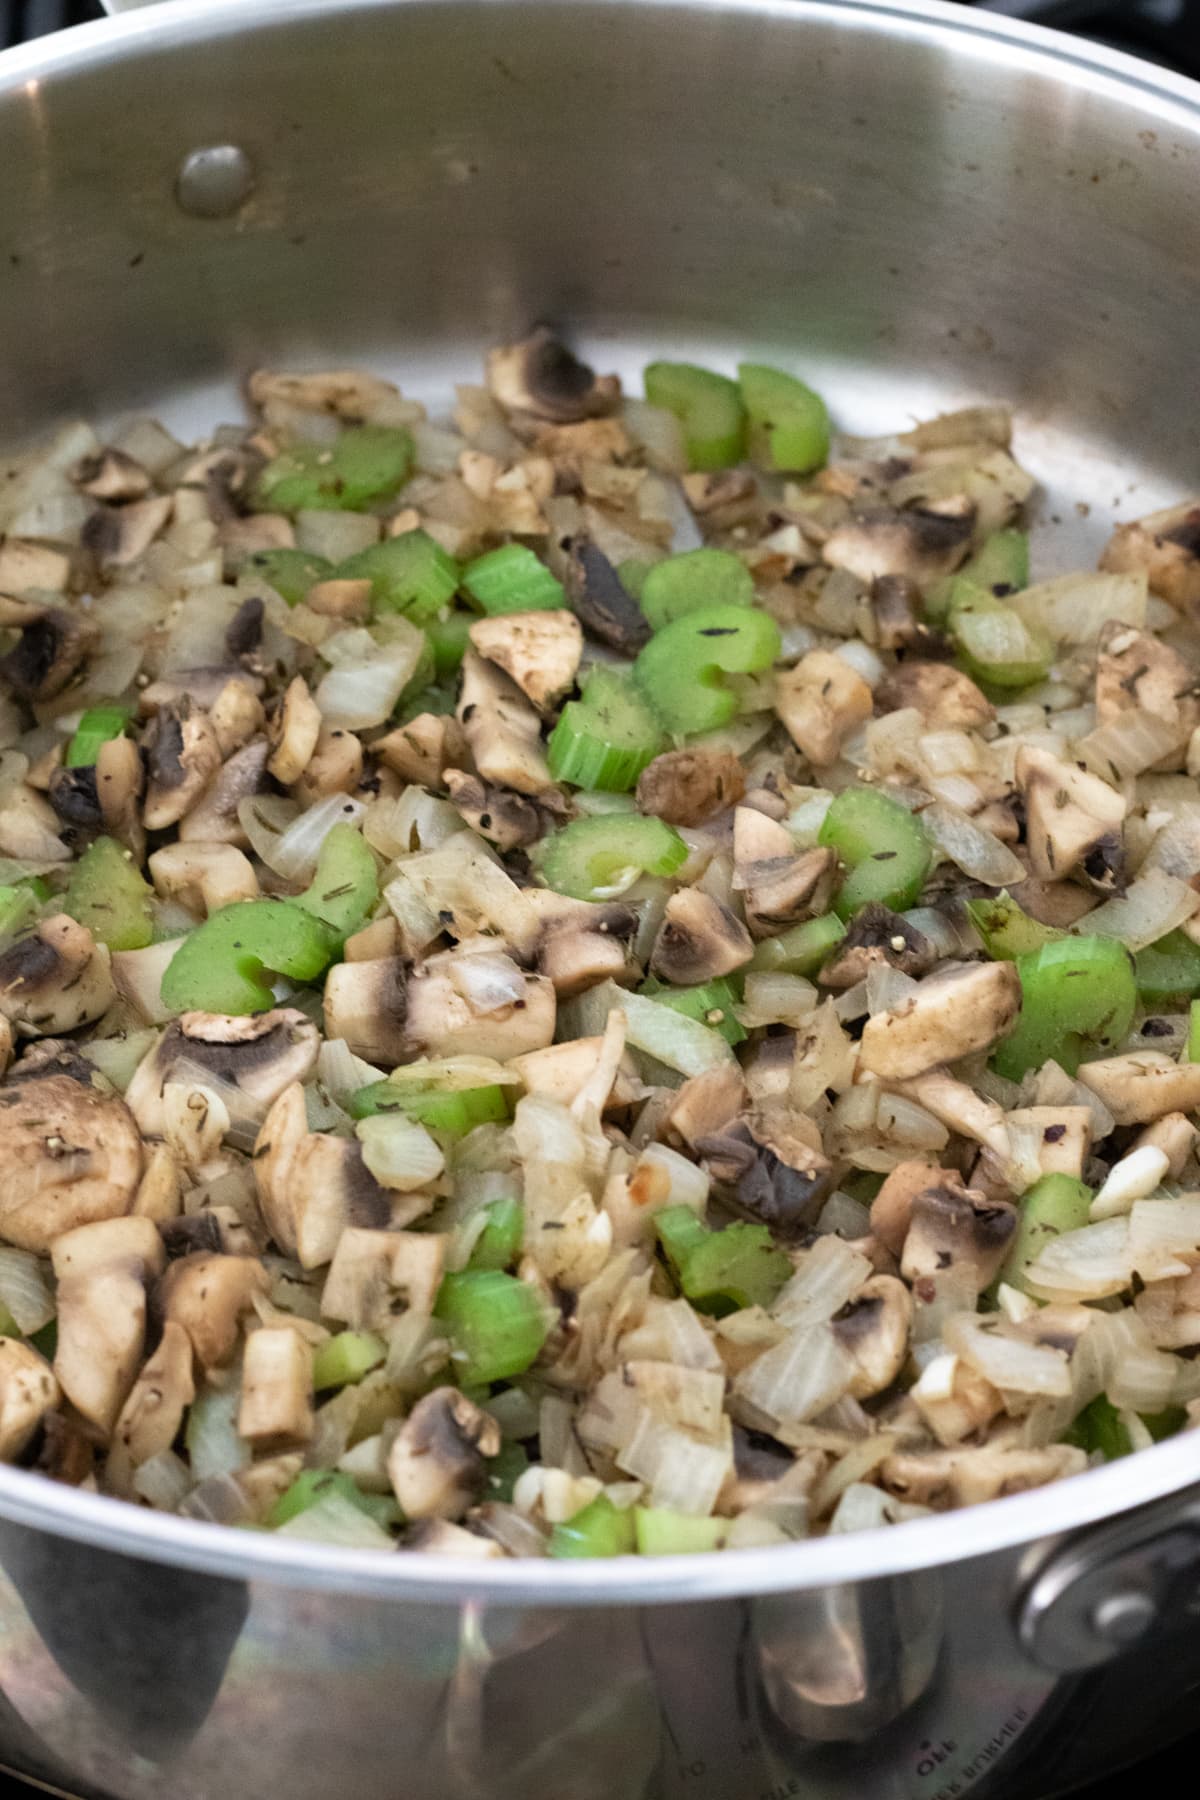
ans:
(953, 1227)
(1167, 546)
(102, 1271)
(778, 883)
(214, 818)
(1073, 819)
(773, 1175)
(896, 605)
(604, 607)
(919, 542)
(118, 535)
(686, 787)
(436, 1464)
(366, 1003)
(878, 936)
(111, 475)
(28, 1391)
(69, 1155)
(506, 818)
(873, 1327)
(53, 646)
(699, 939)
(946, 699)
(576, 954)
(260, 1055)
(183, 755)
(56, 979)
(74, 796)
(541, 376)
(207, 1296)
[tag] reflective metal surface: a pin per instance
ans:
(921, 207)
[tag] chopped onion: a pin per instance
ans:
(1009, 1362)
(164, 1481)
(887, 988)
(677, 1179)
(904, 1122)
(1133, 741)
(827, 1276)
(842, 1214)
(1088, 1264)
(329, 532)
(333, 1519)
(342, 1073)
(865, 1508)
(489, 982)
(1161, 1233)
(800, 1377)
(295, 853)
(977, 852)
(138, 977)
(117, 1057)
(264, 818)
(862, 659)
(24, 1291)
(1154, 904)
(683, 1472)
(1072, 609)
(681, 1043)
(1142, 1377)
(219, 1499)
(361, 689)
(213, 1445)
(776, 999)
(399, 1152)
(657, 432)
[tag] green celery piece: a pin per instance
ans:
(290, 572)
(604, 740)
(312, 1485)
(707, 405)
(499, 1243)
(219, 967)
(345, 887)
(451, 1112)
(345, 1358)
(801, 949)
(599, 1529)
(681, 669)
(497, 1324)
(590, 856)
(106, 893)
(721, 1271)
(512, 579)
(1164, 1424)
(1168, 972)
(1006, 930)
(712, 1004)
(8, 1325)
(632, 575)
(695, 579)
(1054, 1204)
(1192, 1047)
(1098, 1428)
(409, 574)
(99, 725)
(449, 638)
(18, 907)
(437, 699)
(883, 845)
(364, 464)
(789, 423)
(504, 1470)
(1075, 992)
(998, 568)
(661, 1532)
(995, 644)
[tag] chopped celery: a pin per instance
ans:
(497, 1324)
(1054, 1204)
(453, 1112)
(599, 1529)
(106, 893)
(18, 907)
(708, 406)
(680, 670)
(1006, 930)
(697, 578)
(449, 636)
(712, 1004)
(409, 574)
(1164, 1424)
(290, 572)
(8, 1325)
(1075, 991)
(312, 1486)
(660, 1532)
(999, 567)
(99, 725)
(1192, 1048)
(1098, 1429)
(219, 967)
(789, 423)
(606, 738)
(364, 464)
(721, 1271)
(1168, 972)
(345, 1359)
(512, 579)
(504, 1470)
(883, 845)
(632, 575)
(801, 949)
(595, 858)
(345, 887)
(997, 647)
(499, 1243)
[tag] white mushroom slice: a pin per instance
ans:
(699, 940)
(960, 1008)
(102, 1272)
(420, 750)
(920, 543)
(366, 1003)
(576, 958)
(56, 979)
(151, 1417)
(955, 1228)
(374, 1273)
(236, 715)
(53, 646)
(1072, 817)
(214, 818)
(946, 699)
(1136, 672)
(539, 650)
(963, 1475)
(203, 877)
(354, 395)
(1173, 1134)
(70, 1155)
(183, 756)
(778, 883)
(873, 1328)
(160, 1191)
(436, 1464)
(502, 729)
(29, 567)
(1166, 545)
(259, 1056)
(293, 733)
(208, 1295)
(561, 1071)
(954, 1400)
(820, 701)
(442, 1021)
(1064, 1136)
(341, 598)
(335, 766)
(117, 536)
(1143, 1085)
(891, 1209)
(277, 1388)
(311, 1186)
(28, 1391)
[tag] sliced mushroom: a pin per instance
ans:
(1143, 1086)
(102, 1272)
(577, 956)
(724, 498)
(28, 1391)
(151, 1417)
(954, 1401)
(29, 828)
(311, 1186)
(120, 779)
(208, 1295)
(56, 979)
(420, 750)
(243, 634)
(507, 819)
(952, 1227)
(350, 394)
(706, 1104)
(293, 733)
(502, 729)
(341, 598)
(335, 767)
(896, 605)
(821, 700)
(775, 1175)
(961, 1007)
(118, 535)
(205, 687)
(891, 1209)
(202, 877)
(777, 882)
(919, 542)
(600, 600)
(27, 566)
(963, 1475)
(540, 375)
(366, 1003)
(277, 1389)
(561, 1071)
(183, 755)
(260, 1055)
(687, 787)
(437, 1463)
(438, 1537)
(1064, 1134)
(53, 646)
(1138, 672)
(946, 699)
(1073, 819)
(699, 940)
(877, 938)
(873, 1328)
(1173, 1134)
(73, 795)
(1166, 545)
(539, 650)
(442, 1021)
(214, 819)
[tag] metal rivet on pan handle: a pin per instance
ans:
(214, 181)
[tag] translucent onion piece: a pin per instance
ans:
(977, 852)
(295, 853)
(24, 1290)
(1009, 1362)
(1152, 905)
(1089, 1264)
(164, 1481)
(399, 1152)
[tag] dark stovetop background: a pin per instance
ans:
(1168, 31)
